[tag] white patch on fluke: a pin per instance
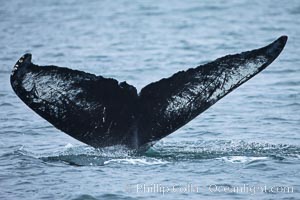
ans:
(211, 87)
(240, 74)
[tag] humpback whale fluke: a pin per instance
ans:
(103, 112)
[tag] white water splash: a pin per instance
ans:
(137, 161)
(241, 159)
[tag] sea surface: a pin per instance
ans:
(247, 146)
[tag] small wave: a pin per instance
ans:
(103, 196)
(85, 197)
(87, 160)
(56, 55)
(137, 161)
(287, 83)
(6, 105)
(164, 153)
(241, 159)
(274, 119)
(222, 149)
(89, 156)
(5, 71)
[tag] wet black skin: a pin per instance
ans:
(103, 112)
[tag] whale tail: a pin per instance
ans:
(102, 112)
(171, 103)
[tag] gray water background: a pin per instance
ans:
(250, 138)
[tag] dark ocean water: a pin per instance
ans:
(247, 146)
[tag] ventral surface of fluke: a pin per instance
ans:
(102, 112)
